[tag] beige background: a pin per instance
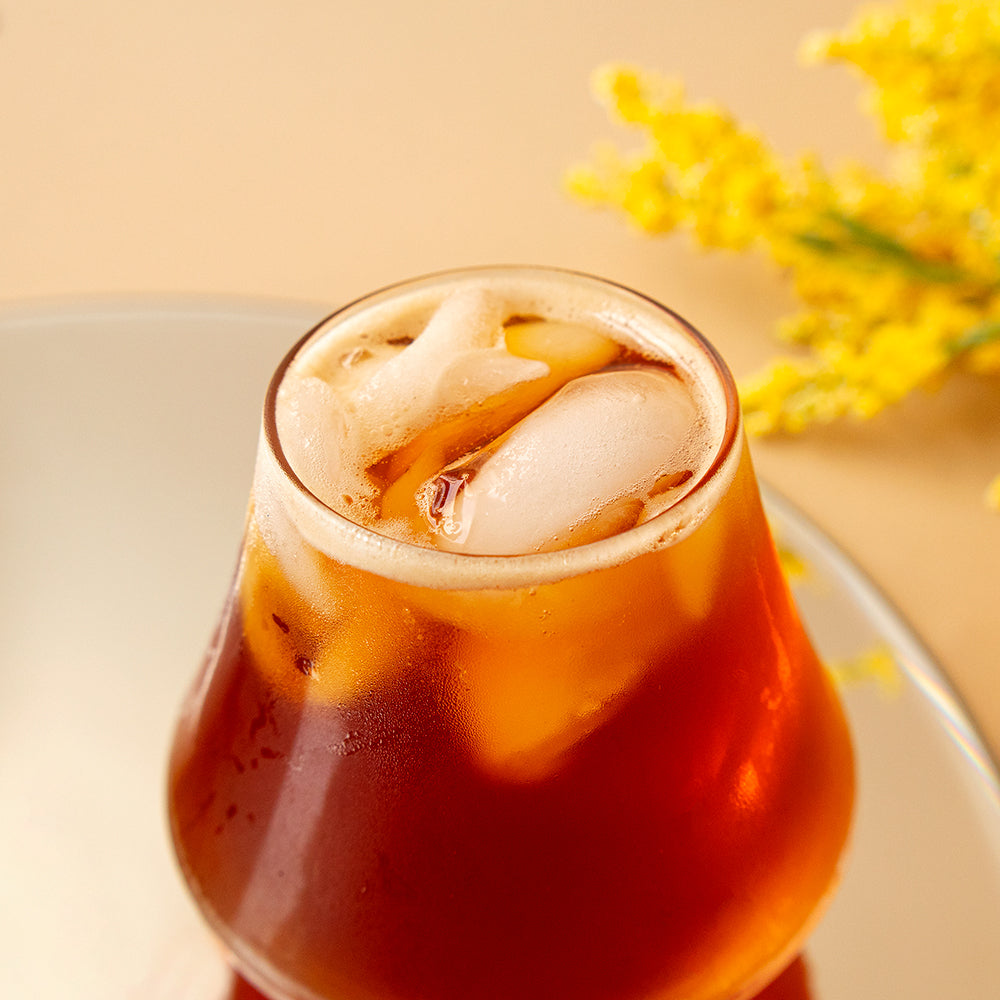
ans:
(308, 151)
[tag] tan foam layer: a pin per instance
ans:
(335, 512)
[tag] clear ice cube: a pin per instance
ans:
(578, 468)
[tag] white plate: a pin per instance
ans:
(127, 432)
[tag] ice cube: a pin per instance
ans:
(318, 629)
(567, 472)
(525, 706)
(456, 362)
(540, 669)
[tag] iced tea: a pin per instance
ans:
(481, 722)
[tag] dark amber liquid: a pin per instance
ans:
(791, 984)
(358, 848)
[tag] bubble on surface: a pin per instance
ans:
(579, 468)
(312, 431)
(451, 366)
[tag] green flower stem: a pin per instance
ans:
(977, 336)
(874, 243)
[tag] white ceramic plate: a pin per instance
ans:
(127, 433)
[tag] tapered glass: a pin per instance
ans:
(613, 770)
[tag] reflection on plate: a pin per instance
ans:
(119, 529)
(918, 912)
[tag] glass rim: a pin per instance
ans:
(347, 541)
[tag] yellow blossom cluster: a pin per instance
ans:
(876, 665)
(899, 274)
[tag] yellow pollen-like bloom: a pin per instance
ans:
(899, 275)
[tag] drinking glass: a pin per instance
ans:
(615, 770)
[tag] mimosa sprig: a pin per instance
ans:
(899, 274)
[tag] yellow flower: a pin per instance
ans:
(899, 274)
(874, 665)
(984, 360)
(993, 494)
(698, 170)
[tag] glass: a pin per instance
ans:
(615, 770)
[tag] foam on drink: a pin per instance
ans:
(492, 418)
